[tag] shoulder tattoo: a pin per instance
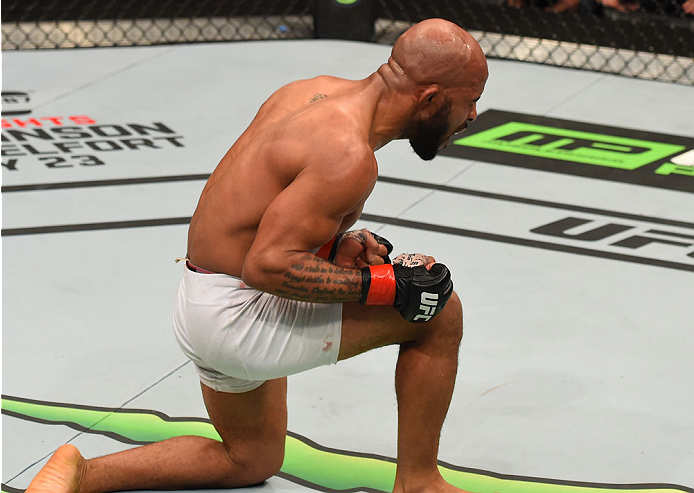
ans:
(316, 97)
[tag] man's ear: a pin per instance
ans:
(428, 93)
(429, 99)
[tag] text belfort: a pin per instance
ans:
(60, 142)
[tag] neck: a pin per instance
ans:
(392, 111)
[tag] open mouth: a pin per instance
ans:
(452, 137)
(458, 133)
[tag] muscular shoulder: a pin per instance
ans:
(328, 135)
(331, 131)
(332, 167)
(334, 134)
(298, 94)
(331, 157)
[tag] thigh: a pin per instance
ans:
(250, 422)
(369, 327)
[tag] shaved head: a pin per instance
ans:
(436, 51)
(436, 73)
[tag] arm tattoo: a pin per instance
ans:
(318, 281)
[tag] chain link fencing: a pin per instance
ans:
(652, 39)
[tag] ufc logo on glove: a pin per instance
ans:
(428, 306)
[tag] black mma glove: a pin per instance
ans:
(417, 293)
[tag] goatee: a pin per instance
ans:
(426, 136)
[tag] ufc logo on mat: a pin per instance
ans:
(429, 302)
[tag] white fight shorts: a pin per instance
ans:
(239, 337)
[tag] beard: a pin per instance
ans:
(426, 136)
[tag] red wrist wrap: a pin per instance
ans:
(382, 288)
(324, 251)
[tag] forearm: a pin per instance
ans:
(310, 278)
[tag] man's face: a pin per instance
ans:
(463, 110)
(427, 136)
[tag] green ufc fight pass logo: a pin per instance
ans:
(593, 151)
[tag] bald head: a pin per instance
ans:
(436, 51)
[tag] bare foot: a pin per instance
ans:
(61, 474)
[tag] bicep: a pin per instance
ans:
(307, 213)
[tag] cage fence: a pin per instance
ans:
(651, 39)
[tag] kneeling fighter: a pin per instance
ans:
(274, 284)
